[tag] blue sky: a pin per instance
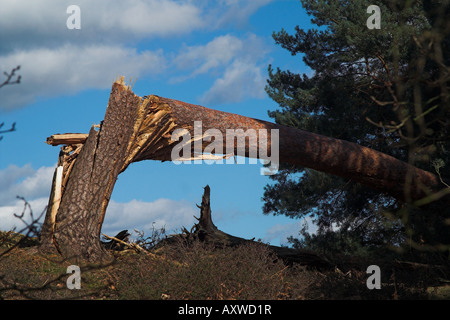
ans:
(212, 53)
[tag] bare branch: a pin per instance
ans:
(31, 228)
(10, 77)
(13, 128)
(10, 80)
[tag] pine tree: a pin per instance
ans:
(387, 89)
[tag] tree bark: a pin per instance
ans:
(136, 129)
(75, 232)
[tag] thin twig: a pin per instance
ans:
(134, 246)
(9, 77)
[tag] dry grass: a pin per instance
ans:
(198, 271)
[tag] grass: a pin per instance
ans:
(201, 272)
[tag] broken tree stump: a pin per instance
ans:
(75, 231)
(206, 231)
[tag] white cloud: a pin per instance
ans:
(240, 81)
(27, 24)
(69, 69)
(8, 220)
(143, 216)
(25, 182)
(34, 186)
(56, 61)
(161, 17)
(203, 58)
(236, 12)
(235, 63)
(140, 215)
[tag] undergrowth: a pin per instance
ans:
(195, 270)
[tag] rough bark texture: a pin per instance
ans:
(76, 232)
(136, 129)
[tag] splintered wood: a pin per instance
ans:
(151, 132)
(67, 138)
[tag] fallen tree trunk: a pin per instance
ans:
(136, 129)
(369, 167)
(159, 117)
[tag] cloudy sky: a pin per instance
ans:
(212, 53)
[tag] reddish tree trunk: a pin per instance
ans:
(369, 167)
